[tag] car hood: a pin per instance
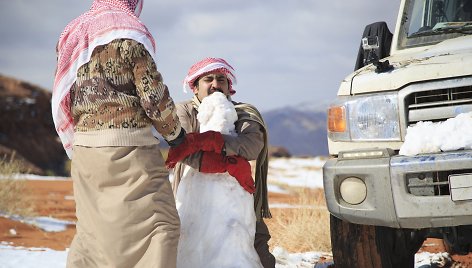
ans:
(450, 58)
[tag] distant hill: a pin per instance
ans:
(27, 130)
(300, 129)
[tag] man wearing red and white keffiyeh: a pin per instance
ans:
(105, 21)
(208, 65)
(204, 78)
(107, 97)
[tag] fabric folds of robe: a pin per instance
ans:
(123, 192)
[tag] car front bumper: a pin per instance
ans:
(391, 197)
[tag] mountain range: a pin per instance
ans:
(301, 129)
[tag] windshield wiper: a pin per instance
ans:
(452, 27)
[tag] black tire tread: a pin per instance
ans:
(367, 246)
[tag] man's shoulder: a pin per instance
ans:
(248, 111)
(245, 106)
(184, 105)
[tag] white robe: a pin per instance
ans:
(217, 215)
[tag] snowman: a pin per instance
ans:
(217, 215)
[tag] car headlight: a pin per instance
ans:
(367, 118)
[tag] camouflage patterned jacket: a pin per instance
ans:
(118, 95)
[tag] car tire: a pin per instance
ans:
(368, 246)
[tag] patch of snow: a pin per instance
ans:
(428, 137)
(276, 189)
(296, 172)
(21, 257)
(285, 205)
(427, 260)
(34, 177)
(47, 224)
(288, 260)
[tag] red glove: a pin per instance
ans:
(210, 141)
(237, 166)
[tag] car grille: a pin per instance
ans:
(438, 105)
(435, 105)
(431, 183)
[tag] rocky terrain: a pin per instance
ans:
(26, 128)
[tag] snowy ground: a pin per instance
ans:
(19, 257)
(47, 224)
(301, 172)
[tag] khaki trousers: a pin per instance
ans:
(126, 215)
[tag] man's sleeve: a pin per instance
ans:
(248, 143)
(184, 112)
(153, 93)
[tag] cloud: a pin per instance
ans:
(284, 52)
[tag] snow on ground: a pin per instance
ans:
(299, 260)
(276, 189)
(300, 172)
(20, 257)
(47, 224)
(296, 172)
(33, 177)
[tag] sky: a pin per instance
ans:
(280, 174)
(285, 52)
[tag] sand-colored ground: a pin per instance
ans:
(55, 199)
(51, 198)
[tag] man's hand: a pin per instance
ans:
(210, 141)
(236, 166)
(240, 168)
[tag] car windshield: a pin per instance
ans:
(427, 22)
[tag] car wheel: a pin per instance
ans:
(369, 246)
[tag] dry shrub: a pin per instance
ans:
(67, 167)
(14, 196)
(303, 228)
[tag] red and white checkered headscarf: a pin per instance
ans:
(206, 66)
(106, 21)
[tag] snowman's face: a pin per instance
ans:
(210, 83)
